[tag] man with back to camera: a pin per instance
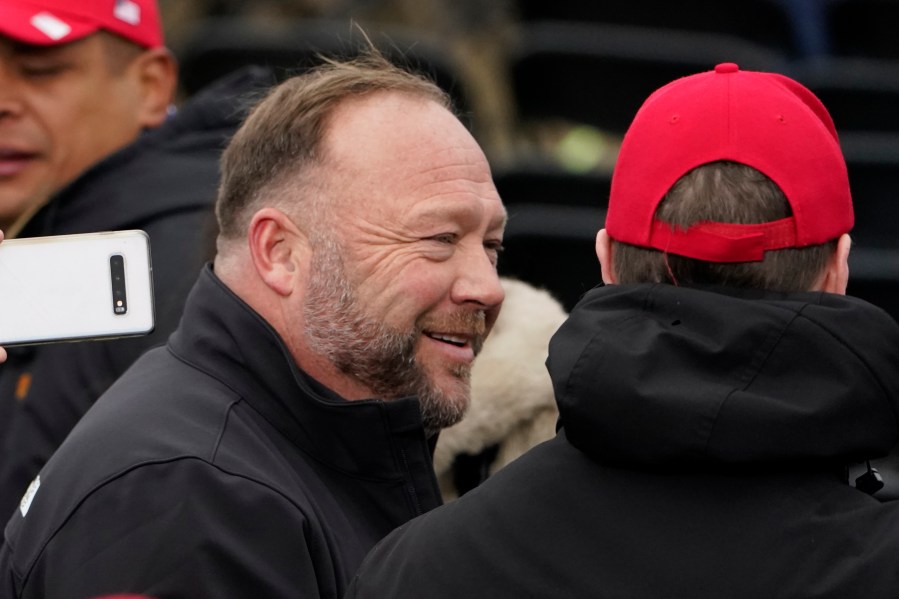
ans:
(87, 144)
(711, 396)
(286, 426)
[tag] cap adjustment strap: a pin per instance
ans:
(724, 242)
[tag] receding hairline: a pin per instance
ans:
(297, 114)
(320, 173)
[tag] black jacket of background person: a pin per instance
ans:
(165, 183)
(701, 456)
(216, 468)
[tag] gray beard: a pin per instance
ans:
(378, 356)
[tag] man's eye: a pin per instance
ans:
(43, 70)
(444, 238)
(494, 249)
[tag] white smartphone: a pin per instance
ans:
(75, 287)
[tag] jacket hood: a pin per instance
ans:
(658, 375)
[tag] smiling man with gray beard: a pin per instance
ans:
(286, 426)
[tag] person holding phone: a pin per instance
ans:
(288, 423)
(90, 142)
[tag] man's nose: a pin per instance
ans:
(10, 99)
(478, 282)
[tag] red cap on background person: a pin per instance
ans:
(50, 22)
(763, 120)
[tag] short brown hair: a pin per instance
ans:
(724, 192)
(281, 138)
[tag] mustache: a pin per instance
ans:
(472, 324)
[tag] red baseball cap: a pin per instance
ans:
(763, 120)
(51, 22)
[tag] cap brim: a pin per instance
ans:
(32, 25)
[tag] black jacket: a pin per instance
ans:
(165, 183)
(216, 468)
(703, 448)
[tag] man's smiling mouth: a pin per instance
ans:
(457, 340)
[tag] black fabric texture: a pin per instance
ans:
(214, 468)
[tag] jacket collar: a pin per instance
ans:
(222, 336)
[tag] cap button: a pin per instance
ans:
(727, 67)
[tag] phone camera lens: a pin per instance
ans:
(117, 275)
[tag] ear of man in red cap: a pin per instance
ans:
(714, 395)
(89, 142)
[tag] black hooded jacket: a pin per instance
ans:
(703, 451)
(216, 468)
(165, 184)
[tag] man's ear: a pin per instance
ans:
(157, 75)
(835, 278)
(604, 253)
(278, 249)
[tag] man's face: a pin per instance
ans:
(404, 291)
(62, 108)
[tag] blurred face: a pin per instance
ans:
(62, 108)
(405, 289)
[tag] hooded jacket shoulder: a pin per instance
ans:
(702, 455)
(716, 376)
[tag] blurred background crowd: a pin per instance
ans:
(548, 87)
